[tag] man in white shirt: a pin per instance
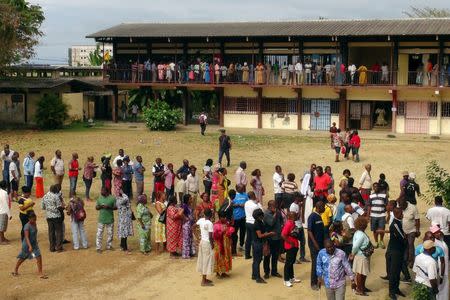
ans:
(6, 156)
(121, 156)
(411, 227)
(134, 112)
(297, 207)
(249, 207)
(278, 179)
(240, 176)
(299, 72)
(425, 268)
(205, 260)
(352, 72)
(349, 216)
(440, 215)
(5, 212)
(14, 175)
(308, 67)
(192, 185)
(57, 166)
(28, 169)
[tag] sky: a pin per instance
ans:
(68, 22)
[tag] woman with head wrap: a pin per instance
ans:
(144, 218)
(188, 248)
(222, 245)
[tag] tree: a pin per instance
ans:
(51, 112)
(20, 24)
(160, 116)
(95, 58)
(427, 12)
(439, 182)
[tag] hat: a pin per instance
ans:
(412, 175)
(428, 244)
(222, 130)
(435, 228)
(405, 173)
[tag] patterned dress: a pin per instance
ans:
(222, 248)
(144, 214)
(125, 224)
(117, 181)
(173, 227)
(258, 189)
(160, 228)
(188, 242)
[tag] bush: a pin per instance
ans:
(51, 112)
(160, 116)
(439, 182)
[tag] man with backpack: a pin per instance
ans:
(203, 121)
(410, 189)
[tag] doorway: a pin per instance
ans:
(203, 101)
(415, 69)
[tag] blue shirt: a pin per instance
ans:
(127, 172)
(239, 212)
(28, 166)
(315, 225)
(138, 176)
(340, 211)
(438, 253)
(333, 268)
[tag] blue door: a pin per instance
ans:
(320, 115)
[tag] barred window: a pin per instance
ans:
(445, 109)
(401, 108)
(279, 105)
(432, 109)
(334, 107)
(306, 106)
(236, 105)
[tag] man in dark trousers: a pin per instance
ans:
(224, 147)
(316, 238)
(273, 221)
(395, 254)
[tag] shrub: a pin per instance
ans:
(160, 116)
(439, 182)
(51, 112)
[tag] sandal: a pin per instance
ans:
(14, 274)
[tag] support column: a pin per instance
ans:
(259, 107)
(185, 53)
(186, 101)
(395, 63)
(441, 79)
(299, 108)
(220, 96)
(439, 114)
(343, 108)
(301, 54)
(344, 51)
(115, 104)
(394, 111)
(222, 52)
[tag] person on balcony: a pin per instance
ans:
(154, 71)
(160, 72)
(342, 73)
(245, 71)
(291, 70)
(435, 74)
(197, 72)
(134, 70)
(217, 72)
(429, 69)
(328, 73)
(308, 67)
(207, 74)
(238, 72)
(276, 72)
(251, 77)
(260, 73)
(268, 71)
(362, 71)
(284, 74)
(376, 69)
(224, 71)
(352, 72)
(384, 73)
(299, 73)
(319, 73)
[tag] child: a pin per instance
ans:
(181, 188)
(205, 261)
(144, 218)
(30, 247)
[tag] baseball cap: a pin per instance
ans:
(435, 228)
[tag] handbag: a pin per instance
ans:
(369, 249)
(266, 249)
(163, 216)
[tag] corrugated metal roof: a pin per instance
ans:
(48, 83)
(436, 26)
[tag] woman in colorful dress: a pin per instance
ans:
(256, 184)
(88, 175)
(125, 223)
(38, 177)
(106, 176)
(215, 184)
(222, 246)
(160, 228)
(173, 226)
(222, 188)
(117, 178)
(169, 180)
(188, 249)
(144, 218)
(207, 74)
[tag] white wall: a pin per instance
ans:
(240, 121)
(272, 121)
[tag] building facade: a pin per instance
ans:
(362, 74)
(79, 54)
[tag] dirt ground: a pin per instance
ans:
(84, 274)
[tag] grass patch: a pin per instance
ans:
(83, 126)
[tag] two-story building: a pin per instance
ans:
(302, 75)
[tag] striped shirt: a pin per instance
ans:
(289, 187)
(377, 205)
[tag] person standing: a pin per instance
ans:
(14, 175)
(106, 204)
(256, 184)
(239, 218)
(138, 170)
(203, 121)
(278, 179)
(273, 221)
(174, 227)
(241, 176)
(411, 188)
(297, 207)
(38, 176)
(77, 215)
(5, 213)
(205, 259)
(377, 212)
(123, 109)
(117, 178)
(6, 156)
(88, 176)
(440, 215)
(158, 178)
(322, 183)
(121, 156)
(30, 247)
(134, 112)
(355, 144)
(26, 205)
(127, 177)
(332, 269)
(207, 176)
(249, 207)
(365, 185)
(425, 267)
(125, 222)
(184, 169)
(315, 239)
(74, 167)
(57, 167)
(222, 231)
(106, 169)
(144, 218)
(411, 227)
(224, 147)
(28, 169)
(291, 247)
(443, 284)
(54, 207)
(260, 237)
(188, 248)
(361, 263)
(192, 185)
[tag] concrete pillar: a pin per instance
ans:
(439, 114)
(259, 107)
(299, 108)
(115, 105)
(220, 96)
(343, 108)
(394, 111)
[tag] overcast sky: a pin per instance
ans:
(68, 22)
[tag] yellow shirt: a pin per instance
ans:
(25, 202)
(326, 216)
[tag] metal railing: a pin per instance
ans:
(283, 78)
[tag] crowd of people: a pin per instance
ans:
(236, 216)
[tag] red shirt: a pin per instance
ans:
(73, 165)
(355, 141)
(322, 183)
(287, 229)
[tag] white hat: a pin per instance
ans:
(412, 175)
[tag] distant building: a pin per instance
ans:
(79, 55)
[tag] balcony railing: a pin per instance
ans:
(263, 78)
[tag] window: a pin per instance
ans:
(306, 106)
(401, 108)
(277, 105)
(445, 109)
(334, 107)
(241, 105)
(432, 109)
